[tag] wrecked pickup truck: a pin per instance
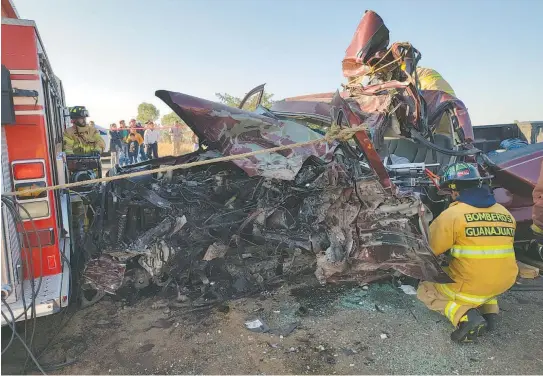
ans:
(355, 210)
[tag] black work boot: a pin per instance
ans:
(491, 321)
(469, 327)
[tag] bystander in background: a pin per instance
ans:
(123, 158)
(177, 136)
(115, 144)
(150, 139)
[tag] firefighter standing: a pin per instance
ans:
(81, 138)
(479, 233)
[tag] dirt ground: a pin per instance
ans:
(313, 330)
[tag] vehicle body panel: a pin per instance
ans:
(233, 131)
(436, 101)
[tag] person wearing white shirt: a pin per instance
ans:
(150, 139)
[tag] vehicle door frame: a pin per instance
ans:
(259, 89)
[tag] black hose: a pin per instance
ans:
(11, 206)
(489, 162)
(13, 210)
(35, 291)
(56, 367)
(13, 331)
(19, 221)
(12, 324)
(456, 153)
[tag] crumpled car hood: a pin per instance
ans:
(232, 131)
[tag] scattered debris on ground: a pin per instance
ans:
(527, 271)
(331, 337)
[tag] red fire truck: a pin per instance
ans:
(36, 243)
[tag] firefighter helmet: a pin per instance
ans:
(77, 112)
(461, 175)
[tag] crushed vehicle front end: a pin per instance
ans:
(346, 210)
(253, 221)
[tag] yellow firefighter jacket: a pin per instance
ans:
(430, 79)
(481, 243)
(82, 140)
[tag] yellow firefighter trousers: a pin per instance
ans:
(435, 300)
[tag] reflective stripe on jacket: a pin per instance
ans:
(82, 140)
(481, 243)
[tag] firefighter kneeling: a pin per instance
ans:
(479, 234)
(81, 138)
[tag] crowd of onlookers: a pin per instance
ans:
(137, 143)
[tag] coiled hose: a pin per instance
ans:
(456, 153)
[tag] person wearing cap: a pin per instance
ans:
(150, 138)
(479, 234)
(80, 138)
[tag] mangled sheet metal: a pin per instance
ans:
(256, 230)
(327, 208)
(383, 79)
(371, 232)
(233, 131)
(104, 273)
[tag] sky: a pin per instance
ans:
(112, 55)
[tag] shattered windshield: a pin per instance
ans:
(317, 125)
